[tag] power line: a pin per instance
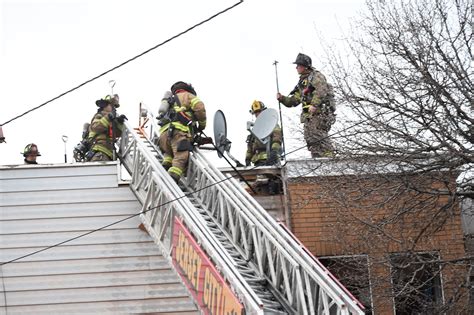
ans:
(165, 203)
(124, 63)
(104, 73)
(116, 222)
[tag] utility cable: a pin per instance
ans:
(124, 63)
(4, 291)
(111, 224)
(117, 222)
(163, 204)
(231, 165)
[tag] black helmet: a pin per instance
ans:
(108, 99)
(303, 60)
(180, 85)
(30, 149)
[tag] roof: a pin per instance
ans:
(118, 269)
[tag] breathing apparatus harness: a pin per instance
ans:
(168, 115)
(306, 90)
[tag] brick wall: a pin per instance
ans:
(380, 215)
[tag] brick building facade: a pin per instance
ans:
(395, 239)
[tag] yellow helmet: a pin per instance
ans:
(257, 106)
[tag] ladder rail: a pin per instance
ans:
(265, 222)
(298, 278)
(264, 258)
(234, 225)
(153, 187)
(238, 223)
(295, 292)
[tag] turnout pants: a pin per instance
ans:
(316, 129)
(100, 156)
(175, 148)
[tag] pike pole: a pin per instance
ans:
(113, 122)
(275, 63)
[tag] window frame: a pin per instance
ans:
(364, 259)
(438, 296)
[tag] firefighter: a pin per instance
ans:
(30, 152)
(180, 119)
(257, 151)
(105, 128)
(317, 99)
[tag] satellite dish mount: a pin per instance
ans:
(220, 137)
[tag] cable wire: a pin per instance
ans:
(4, 291)
(124, 63)
(163, 204)
(231, 165)
(113, 223)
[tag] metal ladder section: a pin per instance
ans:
(300, 283)
(258, 284)
(268, 304)
(162, 200)
(295, 276)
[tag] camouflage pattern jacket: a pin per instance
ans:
(101, 133)
(312, 89)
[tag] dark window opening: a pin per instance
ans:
(353, 273)
(416, 283)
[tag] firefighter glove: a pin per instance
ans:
(122, 118)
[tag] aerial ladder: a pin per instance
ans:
(268, 270)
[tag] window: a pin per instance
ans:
(416, 283)
(353, 273)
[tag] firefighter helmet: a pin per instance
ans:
(108, 99)
(31, 149)
(180, 85)
(303, 60)
(257, 107)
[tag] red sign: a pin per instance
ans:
(207, 286)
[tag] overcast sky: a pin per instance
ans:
(48, 47)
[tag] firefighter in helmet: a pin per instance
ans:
(30, 152)
(105, 128)
(257, 151)
(182, 115)
(317, 99)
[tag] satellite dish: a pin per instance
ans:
(264, 124)
(220, 132)
(220, 137)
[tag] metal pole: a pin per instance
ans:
(275, 63)
(114, 125)
(112, 84)
(114, 154)
(65, 150)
